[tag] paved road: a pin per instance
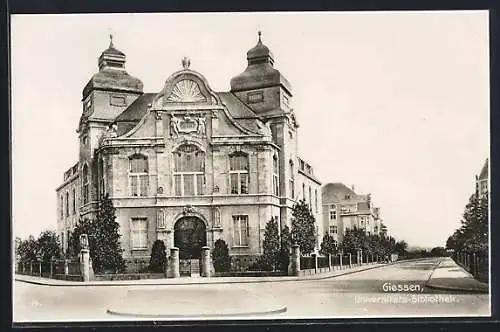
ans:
(363, 294)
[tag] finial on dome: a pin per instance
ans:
(186, 62)
(260, 34)
(111, 40)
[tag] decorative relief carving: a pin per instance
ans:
(216, 222)
(161, 219)
(188, 209)
(188, 124)
(186, 91)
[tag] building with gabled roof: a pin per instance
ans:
(188, 165)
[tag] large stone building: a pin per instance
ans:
(189, 165)
(482, 180)
(343, 209)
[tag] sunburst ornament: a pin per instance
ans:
(186, 91)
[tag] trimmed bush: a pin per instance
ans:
(158, 257)
(220, 256)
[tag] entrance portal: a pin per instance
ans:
(190, 236)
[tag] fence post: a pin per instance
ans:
(294, 265)
(51, 268)
(31, 268)
(85, 264)
(66, 267)
(329, 262)
(205, 262)
(340, 261)
(350, 260)
(40, 269)
(173, 263)
(315, 259)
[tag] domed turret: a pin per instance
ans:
(112, 74)
(260, 72)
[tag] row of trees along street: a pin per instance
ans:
(469, 243)
(106, 252)
(276, 244)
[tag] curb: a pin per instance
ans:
(448, 288)
(465, 290)
(79, 284)
(241, 314)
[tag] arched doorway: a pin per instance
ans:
(190, 236)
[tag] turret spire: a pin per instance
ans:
(111, 41)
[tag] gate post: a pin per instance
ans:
(340, 256)
(173, 263)
(85, 264)
(350, 260)
(205, 262)
(294, 266)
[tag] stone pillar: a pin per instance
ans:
(173, 263)
(85, 264)
(40, 269)
(340, 256)
(350, 260)
(66, 267)
(315, 258)
(206, 262)
(329, 262)
(294, 265)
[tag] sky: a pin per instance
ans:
(394, 103)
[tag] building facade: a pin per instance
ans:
(482, 180)
(189, 165)
(343, 209)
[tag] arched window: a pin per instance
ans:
(189, 171)
(85, 181)
(310, 198)
(74, 201)
(102, 188)
(67, 204)
(138, 175)
(276, 185)
(292, 181)
(62, 206)
(238, 173)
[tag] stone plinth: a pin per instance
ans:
(173, 263)
(206, 262)
(294, 265)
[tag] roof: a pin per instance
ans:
(237, 109)
(258, 76)
(136, 110)
(484, 172)
(335, 191)
(113, 80)
(113, 51)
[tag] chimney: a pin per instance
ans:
(352, 187)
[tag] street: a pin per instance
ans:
(390, 291)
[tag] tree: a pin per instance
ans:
(49, 246)
(28, 249)
(303, 227)
(107, 251)
(286, 245)
(475, 225)
(328, 246)
(158, 260)
(84, 226)
(220, 256)
(354, 240)
(400, 247)
(270, 259)
(438, 252)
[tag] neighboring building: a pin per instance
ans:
(189, 165)
(343, 209)
(482, 180)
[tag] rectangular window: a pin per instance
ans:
(255, 97)
(139, 233)
(333, 212)
(240, 230)
(333, 230)
(74, 201)
(188, 184)
(118, 101)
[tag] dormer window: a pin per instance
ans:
(255, 97)
(286, 101)
(117, 101)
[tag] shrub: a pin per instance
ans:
(158, 258)
(220, 256)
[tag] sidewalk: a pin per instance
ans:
(447, 275)
(196, 280)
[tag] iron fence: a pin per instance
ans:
(476, 264)
(323, 261)
(306, 262)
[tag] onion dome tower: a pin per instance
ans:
(261, 86)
